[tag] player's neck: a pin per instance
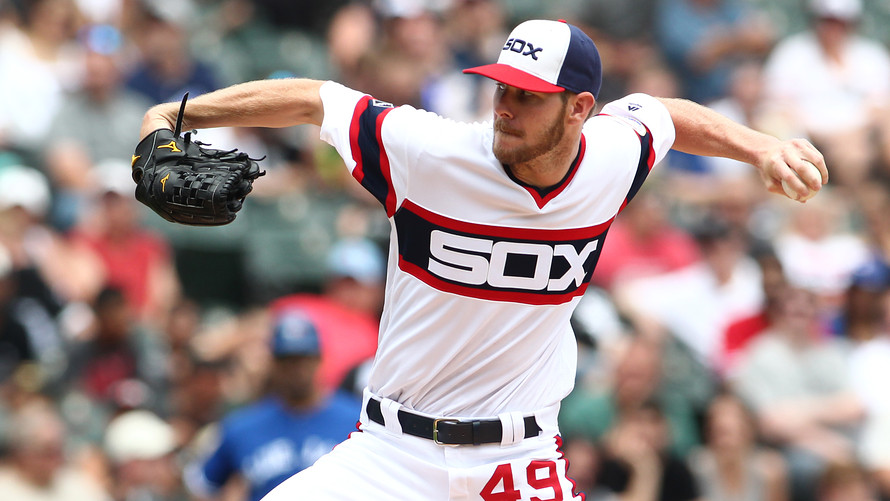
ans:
(549, 169)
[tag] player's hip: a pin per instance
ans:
(378, 465)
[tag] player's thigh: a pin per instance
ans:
(540, 475)
(365, 467)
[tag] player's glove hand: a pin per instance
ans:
(186, 182)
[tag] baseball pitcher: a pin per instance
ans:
(495, 231)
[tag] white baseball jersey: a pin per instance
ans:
(484, 271)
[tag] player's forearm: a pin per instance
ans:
(262, 103)
(702, 131)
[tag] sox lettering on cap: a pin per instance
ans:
(547, 56)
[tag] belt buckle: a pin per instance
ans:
(436, 429)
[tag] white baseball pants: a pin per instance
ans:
(379, 463)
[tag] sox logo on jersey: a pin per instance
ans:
(452, 257)
(488, 262)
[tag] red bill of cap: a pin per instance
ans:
(516, 78)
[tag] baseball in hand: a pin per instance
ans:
(810, 193)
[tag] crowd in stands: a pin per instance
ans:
(733, 345)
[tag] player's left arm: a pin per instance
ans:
(261, 103)
(702, 131)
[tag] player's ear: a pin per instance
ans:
(580, 106)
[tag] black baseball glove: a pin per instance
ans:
(186, 182)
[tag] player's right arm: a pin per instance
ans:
(262, 103)
(702, 131)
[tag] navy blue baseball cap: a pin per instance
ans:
(295, 334)
(547, 56)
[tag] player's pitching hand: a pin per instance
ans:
(795, 169)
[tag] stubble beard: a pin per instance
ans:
(550, 138)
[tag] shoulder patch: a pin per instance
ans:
(381, 104)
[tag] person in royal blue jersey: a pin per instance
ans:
(285, 431)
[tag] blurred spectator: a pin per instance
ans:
(29, 338)
(872, 205)
(120, 366)
(649, 76)
(134, 258)
(140, 448)
(738, 201)
(795, 380)
(100, 116)
(866, 319)
(637, 463)
(733, 466)
(473, 30)
(289, 428)
(819, 251)
(834, 84)
(199, 398)
(410, 51)
(635, 65)
(47, 277)
(244, 40)
(590, 413)
(352, 30)
(743, 101)
(182, 327)
(862, 317)
(347, 312)
(39, 468)
(16, 345)
(8, 17)
(37, 63)
(300, 15)
(356, 272)
(101, 11)
(741, 331)
(583, 459)
(844, 482)
(69, 273)
(619, 21)
(168, 70)
(696, 303)
(96, 122)
(703, 39)
(644, 242)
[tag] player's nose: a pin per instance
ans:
(502, 108)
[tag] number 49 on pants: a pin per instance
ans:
(542, 476)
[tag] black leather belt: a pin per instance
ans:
(445, 431)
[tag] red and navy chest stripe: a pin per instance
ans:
(530, 266)
(366, 142)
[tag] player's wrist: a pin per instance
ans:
(162, 116)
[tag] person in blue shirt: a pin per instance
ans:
(703, 40)
(288, 429)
